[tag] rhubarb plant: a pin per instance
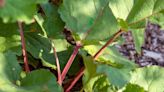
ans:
(52, 45)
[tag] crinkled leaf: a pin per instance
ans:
(150, 78)
(18, 10)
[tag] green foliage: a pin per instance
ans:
(11, 80)
(91, 23)
(133, 88)
(9, 37)
(87, 18)
(45, 83)
(19, 10)
(53, 24)
(150, 78)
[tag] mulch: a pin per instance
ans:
(152, 50)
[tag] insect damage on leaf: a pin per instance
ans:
(69, 37)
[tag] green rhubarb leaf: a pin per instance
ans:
(135, 12)
(53, 24)
(90, 19)
(41, 81)
(92, 81)
(90, 75)
(40, 47)
(143, 9)
(158, 19)
(117, 68)
(121, 8)
(10, 38)
(118, 77)
(18, 10)
(9, 72)
(150, 78)
(9, 68)
(35, 81)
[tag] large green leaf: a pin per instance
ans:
(9, 38)
(53, 24)
(143, 9)
(36, 81)
(93, 81)
(9, 73)
(41, 81)
(40, 47)
(118, 77)
(150, 78)
(18, 10)
(121, 8)
(135, 13)
(90, 75)
(9, 68)
(89, 18)
(158, 19)
(117, 68)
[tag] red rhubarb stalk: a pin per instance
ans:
(80, 73)
(27, 69)
(70, 61)
(58, 67)
(77, 77)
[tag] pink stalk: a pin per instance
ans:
(80, 73)
(77, 77)
(58, 67)
(70, 61)
(27, 69)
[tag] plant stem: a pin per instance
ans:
(80, 73)
(58, 67)
(27, 69)
(77, 77)
(107, 43)
(70, 61)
